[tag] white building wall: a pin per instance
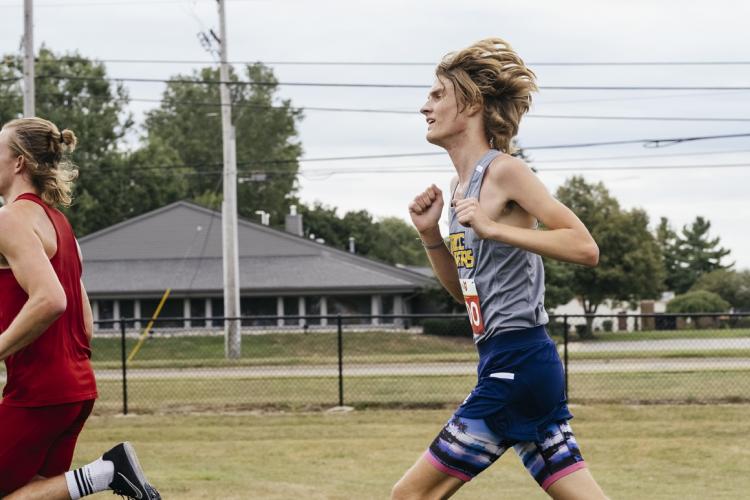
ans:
(574, 307)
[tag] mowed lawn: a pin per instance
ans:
(163, 350)
(636, 452)
(239, 387)
(300, 393)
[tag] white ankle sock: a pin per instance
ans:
(90, 478)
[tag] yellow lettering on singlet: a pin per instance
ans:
(463, 256)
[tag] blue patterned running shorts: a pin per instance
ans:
(465, 447)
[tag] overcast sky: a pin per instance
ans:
(542, 31)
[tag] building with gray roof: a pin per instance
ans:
(129, 266)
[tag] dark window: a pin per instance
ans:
(106, 311)
(387, 308)
(217, 311)
(291, 308)
(258, 306)
(127, 310)
(312, 308)
(350, 304)
(197, 310)
(173, 308)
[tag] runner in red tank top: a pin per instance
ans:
(46, 327)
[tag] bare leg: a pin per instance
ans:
(580, 485)
(41, 488)
(424, 481)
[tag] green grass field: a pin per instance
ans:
(635, 452)
(359, 347)
(241, 388)
(301, 393)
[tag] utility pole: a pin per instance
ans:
(232, 337)
(28, 59)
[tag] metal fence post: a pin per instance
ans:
(341, 359)
(565, 350)
(124, 369)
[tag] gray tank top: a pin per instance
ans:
(503, 285)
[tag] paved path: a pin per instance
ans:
(660, 345)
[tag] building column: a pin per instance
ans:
(398, 308)
(116, 314)
(95, 312)
(137, 313)
(323, 310)
(186, 312)
(280, 310)
(207, 313)
(301, 310)
(376, 307)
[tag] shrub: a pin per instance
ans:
(700, 301)
(607, 325)
(447, 327)
(556, 328)
(581, 331)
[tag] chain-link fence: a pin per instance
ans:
(297, 363)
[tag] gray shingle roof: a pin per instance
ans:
(179, 247)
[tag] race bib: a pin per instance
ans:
(471, 298)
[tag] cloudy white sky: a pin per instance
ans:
(421, 31)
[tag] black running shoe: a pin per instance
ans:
(129, 480)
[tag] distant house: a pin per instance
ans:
(128, 267)
(613, 309)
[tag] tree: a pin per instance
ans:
(11, 93)
(669, 245)
(698, 254)
(700, 301)
(74, 92)
(630, 264)
(689, 254)
(321, 221)
(189, 122)
(732, 286)
(557, 279)
(389, 240)
(398, 243)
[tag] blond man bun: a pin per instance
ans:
(45, 151)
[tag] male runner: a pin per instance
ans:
(492, 263)
(46, 326)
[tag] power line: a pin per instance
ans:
(414, 63)
(434, 168)
(641, 118)
(406, 155)
(203, 167)
(374, 85)
(262, 175)
(320, 174)
(645, 167)
(100, 3)
(652, 143)
(412, 113)
(630, 157)
(234, 105)
(646, 142)
(404, 112)
(295, 108)
(637, 98)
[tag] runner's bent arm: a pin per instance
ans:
(425, 211)
(88, 315)
(565, 239)
(31, 267)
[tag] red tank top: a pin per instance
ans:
(55, 368)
